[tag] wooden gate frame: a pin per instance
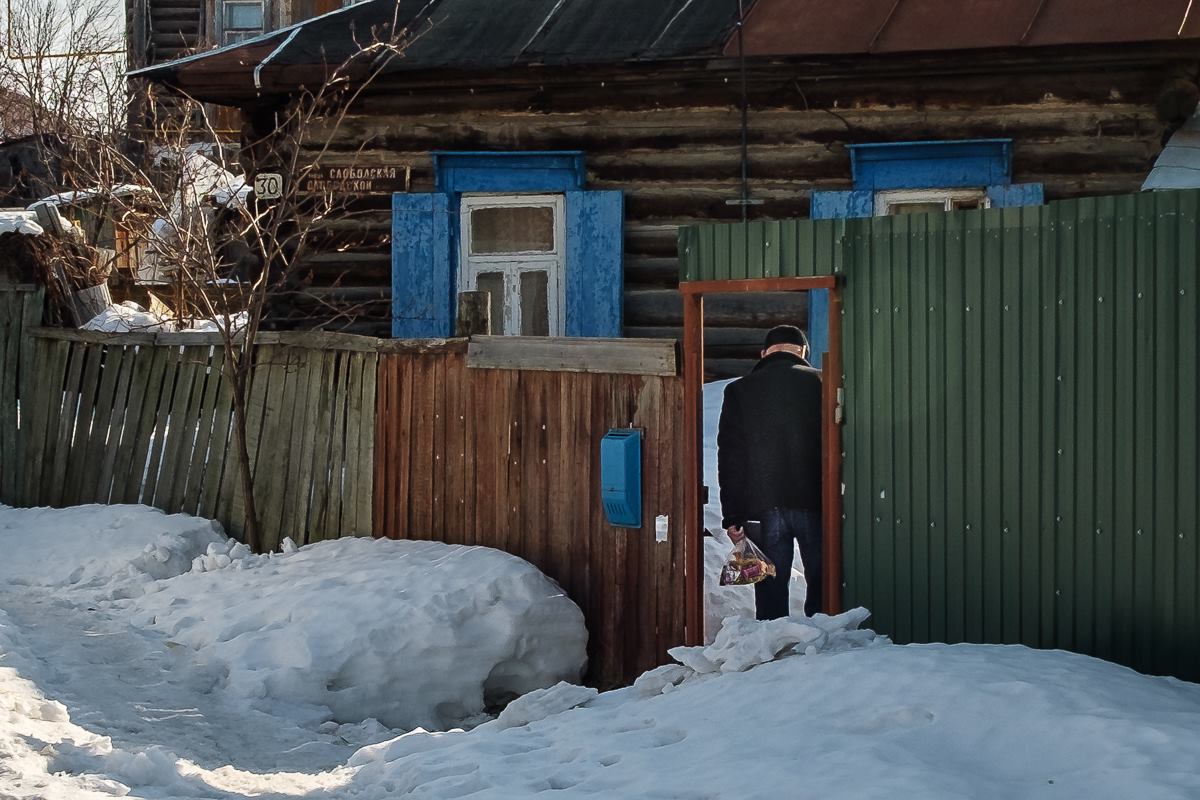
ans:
(831, 467)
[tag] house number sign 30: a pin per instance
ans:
(268, 186)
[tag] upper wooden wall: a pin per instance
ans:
(1085, 125)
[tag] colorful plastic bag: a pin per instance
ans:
(746, 565)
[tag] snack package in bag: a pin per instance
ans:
(746, 564)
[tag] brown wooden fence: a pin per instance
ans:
(509, 458)
(493, 443)
(147, 418)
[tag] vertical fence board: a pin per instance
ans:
(202, 453)
(97, 440)
(296, 432)
(47, 402)
(323, 463)
(65, 405)
(118, 416)
(186, 429)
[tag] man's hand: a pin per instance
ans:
(735, 533)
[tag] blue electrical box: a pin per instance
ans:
(621, 477)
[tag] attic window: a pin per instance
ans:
(241, 20)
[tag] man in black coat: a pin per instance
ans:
(769, 466)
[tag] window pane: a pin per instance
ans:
(243, 16)
(512, 229)
(535, 311)
(968, 203)
(915, 208)
(493, 282)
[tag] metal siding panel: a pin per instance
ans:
(1104, 513)
(724, 268)
(756, 247)
(1187, 463)
(595, 263)
(1060, 404)
(421, 266)
(1049, 390)
(1083, 515)
(955, 424)
(1144, 363)
(939, 409)
(772, 244)
(791, 251)
(883, 471)
(739, 253)
(918, 378)
(995, 572)
(1124, 519)
(1027, 522)
(900, 521)
(974, 242)
(708, 252)
(1005, 528)
(1064, 584)
(1166, 343)
(857, 342)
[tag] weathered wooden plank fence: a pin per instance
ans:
(493, 442)
(20, 310)
(148, 418)
(499, 446)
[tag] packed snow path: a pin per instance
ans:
(128, 685)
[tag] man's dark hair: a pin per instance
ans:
(785, 334)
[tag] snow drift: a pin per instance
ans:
(414, 634)
(116, 550)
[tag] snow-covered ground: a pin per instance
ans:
(144, 655)
(148, 656)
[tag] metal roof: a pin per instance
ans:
(480, 35)
(850, 27)
(458, 34)
(1178, 165)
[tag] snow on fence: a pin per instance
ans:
(497, 444)
(147, 418)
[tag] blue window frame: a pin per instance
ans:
(427, 230)
(884, 170)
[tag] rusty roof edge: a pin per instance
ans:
(286, 33)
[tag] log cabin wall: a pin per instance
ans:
(670, 139)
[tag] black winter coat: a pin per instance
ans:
(769, 440)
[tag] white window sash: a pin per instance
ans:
(947, 197)
(511, 265)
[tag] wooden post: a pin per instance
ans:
(831, 468)
(693, 517)
(474, 314)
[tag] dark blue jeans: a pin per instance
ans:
(779, 527)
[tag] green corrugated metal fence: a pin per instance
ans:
(1022, 450)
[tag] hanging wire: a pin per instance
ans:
(745, 112)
